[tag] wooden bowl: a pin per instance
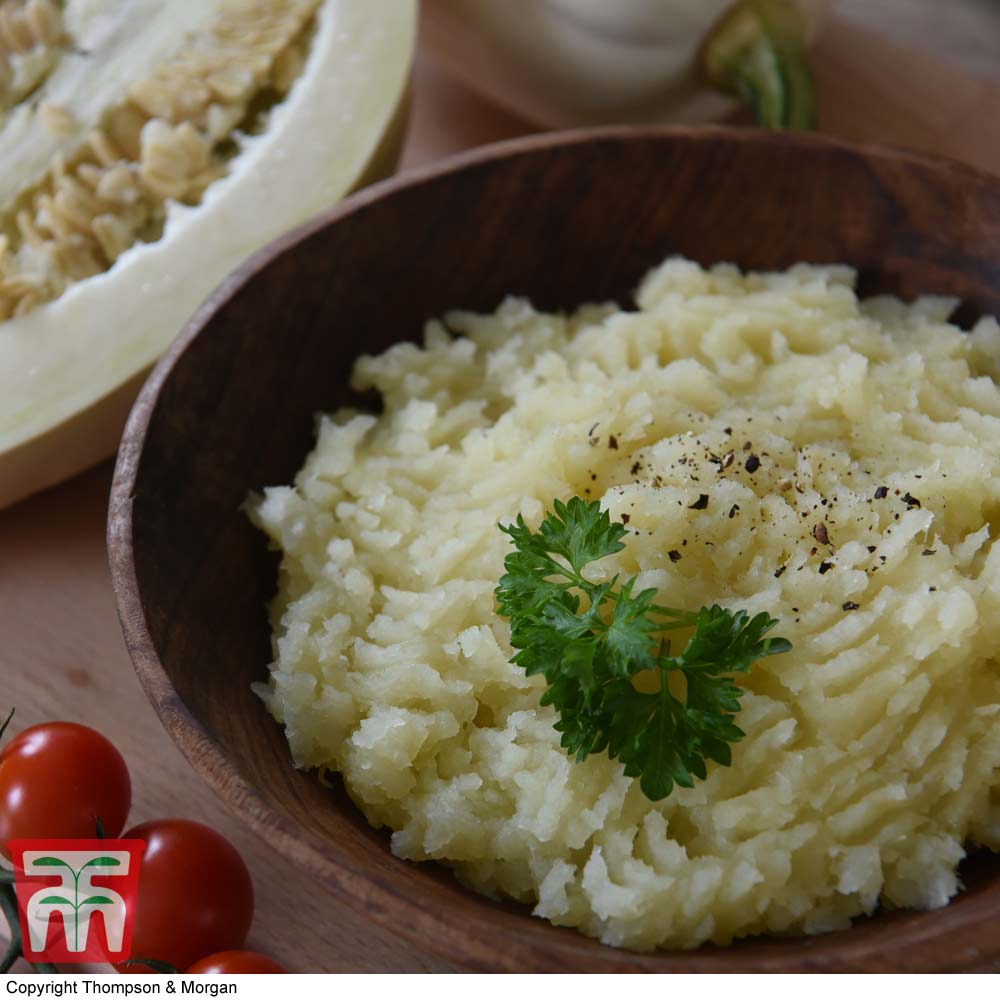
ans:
(562, 218)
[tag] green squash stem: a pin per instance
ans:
(758, 52)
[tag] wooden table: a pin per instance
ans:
(62, 655)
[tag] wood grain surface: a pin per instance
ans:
(62, 654)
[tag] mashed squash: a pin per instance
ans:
(773, 444)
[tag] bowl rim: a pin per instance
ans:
(470, 944)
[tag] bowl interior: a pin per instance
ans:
(563, 220)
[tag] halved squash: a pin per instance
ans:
(146, 148)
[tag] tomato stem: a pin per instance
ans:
(8, 903)
(6, 723)
(164, 968)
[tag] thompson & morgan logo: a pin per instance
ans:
(76, 898)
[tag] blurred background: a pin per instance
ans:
(919, 73)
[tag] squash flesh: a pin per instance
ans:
(62, 360)
(29, 41)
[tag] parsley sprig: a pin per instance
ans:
(590, 640)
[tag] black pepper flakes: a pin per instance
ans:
(872, 548)
(734, 510)
(636, 466)
(727, 460)
(674, 555)
(626, 519)
(821, 534)
(780, 570)
(700, 504)
(747, 445)
(612, 442)
(928, 552)
(910, 501)
(825, 567)
(850, 606)
(881, 492)
(752, 464)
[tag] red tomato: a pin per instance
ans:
(195, 895)
(57, 779)
(228, 963)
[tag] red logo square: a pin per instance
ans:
(76, 898)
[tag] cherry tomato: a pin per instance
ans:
(57, 779)
(195, 895)
(228, 963)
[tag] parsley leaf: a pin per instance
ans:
(590, 640)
